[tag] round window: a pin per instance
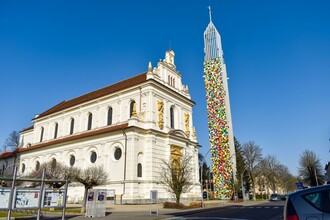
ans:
(93, 157)
(72, 160)
(117, 153)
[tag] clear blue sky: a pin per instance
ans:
(277, 55)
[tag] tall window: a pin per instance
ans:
(110, 116)
(131, 109)
(56, 130)
(23, 167)
(42, 134)
(139, 170)
(71, 126)
(37, 165)
(90, 119)
(172, 117)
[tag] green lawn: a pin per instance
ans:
(16, 214)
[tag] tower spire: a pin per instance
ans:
(210, 13)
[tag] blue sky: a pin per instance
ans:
(276, 52)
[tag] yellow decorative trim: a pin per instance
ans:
(160, 105)
(187, 123)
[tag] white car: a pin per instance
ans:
(307, 204)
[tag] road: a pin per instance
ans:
(264, 211)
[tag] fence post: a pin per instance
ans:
(41, 194)
(11, 194)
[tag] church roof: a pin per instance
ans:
(6, 154)
(136, 80)
(66, 139)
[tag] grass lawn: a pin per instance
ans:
(16, 214)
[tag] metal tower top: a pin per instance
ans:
(212, 41)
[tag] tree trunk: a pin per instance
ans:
(83, 206)
(254, 189)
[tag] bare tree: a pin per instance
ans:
(176, 175)
(90, 177)
(310, 169)
(55, 171)
(12, 142)
(252, 155)
(285, 178)
(271, 165)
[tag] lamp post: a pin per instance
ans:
(243, 191)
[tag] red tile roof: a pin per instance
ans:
(136, 80)
(6, 154)
(75, 137)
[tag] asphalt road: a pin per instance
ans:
(264, 211)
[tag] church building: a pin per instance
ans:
(128, 128)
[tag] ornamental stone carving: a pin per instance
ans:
(187, 123)
(160, 105)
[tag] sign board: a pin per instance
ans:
(96, 203)
(4, 198)
(26, 198)
(153, 199)
(111, 193)
(54, 198)
(299, 185)
(153, 195)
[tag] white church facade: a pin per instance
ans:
(128, 128)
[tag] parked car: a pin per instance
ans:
(310, 203)
(275, 197)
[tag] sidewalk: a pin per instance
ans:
(140, 212)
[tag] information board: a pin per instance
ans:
(4, 198)
(26, 198)
(54, 198)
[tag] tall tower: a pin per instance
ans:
(221, 136)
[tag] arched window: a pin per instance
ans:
(172, 117)
(139, 170)
(42, 134)
(56, 130)
(37, 165)
(90, 120)
(53, 164)
(110, 116)
(131, 109)
(23, 167)
(72, 126)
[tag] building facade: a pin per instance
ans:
(128, 128)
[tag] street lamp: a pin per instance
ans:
(243, 189)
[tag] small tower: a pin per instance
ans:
(219, 117)
(169, 57)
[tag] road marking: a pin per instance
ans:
(206, 218)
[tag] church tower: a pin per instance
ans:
(221, 136)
